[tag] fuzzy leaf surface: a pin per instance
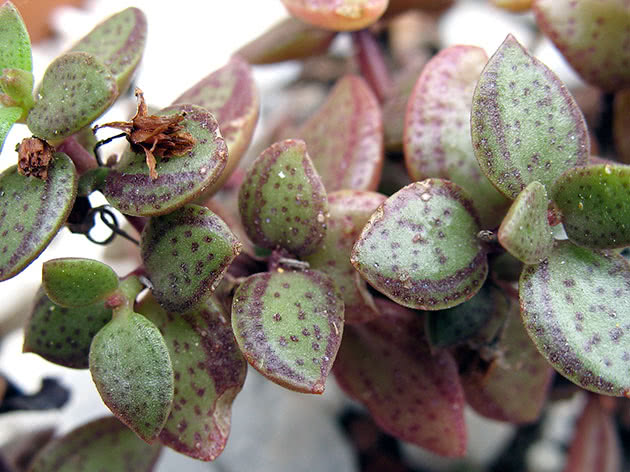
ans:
(16, 44)
(621, 125)
(32, 211)
(132, 370)
(525, 124)
(437, 128)
(420, 247)
(130, 188)
(104, 444)
(576, 308)
(209, 372)
(289, 327)
(186, 254)
(337, 15)
(416, 396)
(595, 206)
(8, 117)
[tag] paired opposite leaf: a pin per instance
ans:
(289, 326)
(32, 211)
(186, 254)
(525, 125)
(576, 308)
(420, 247)
(338, 15)
(16, 45)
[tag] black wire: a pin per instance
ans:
(109, 219)
(102, 142)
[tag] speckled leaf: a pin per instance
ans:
(337, 15)
(420, 247)
(345, 137)
(132, 370)
(593, 35)
(289, 326)
(514, 5)
(525, 124)
(621, 125)
(16, 45)
(209, 372)
(288, 40)
(8, 117)
(437, 128)
(75, 282)
(186, 254)
(231, 96)
(32, 211)
(118, 42)
(282, 201)
(63, 335)
(595, 205)
(414, 395)
(525, 230)
(104, 444)
(130, 188)
(349, 212)
(576, 308)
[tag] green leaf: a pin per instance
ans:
(345, 137)
(181, 179)
(63, 335)
(282, 201)
(76, 90)
(411, 393)
(16, 45)
(8, 117)
(525, 230)
(337, 15)
(209, 372)
(32, 211)
(186, 254)
(592, 35)
(621, 125)
(525, 125)
(289, 327)
(420, 247)
(576, 308)
(595, 206)
(103, 444)
(17, 84)
(118, 42)
(92, 180)
(132, 370)
(349, 212)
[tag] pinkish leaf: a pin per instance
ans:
(337, 15)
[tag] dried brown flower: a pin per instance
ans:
(34, 156)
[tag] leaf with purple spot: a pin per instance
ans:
(576, 308)
(282, 201)
(593, 35)
(289, 326)
(345, 137)
(32, 211)
(412, 393)
(16, 45)
(209, 372)
(437, 128)
(595, 206)
(621, 125)
(337, 15)
(525, 124)
(420, 247)
(186, 254)
(130, 188)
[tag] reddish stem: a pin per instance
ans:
(372, 63)
(138, 222)
(82, 159)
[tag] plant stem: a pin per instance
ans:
(372, 63)
(82, 159)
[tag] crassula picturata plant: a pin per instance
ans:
(437, 233)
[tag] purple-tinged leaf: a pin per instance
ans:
(16, 45)
(420, 247)
(337, 15)
(103, 444)
(593, 35)
(231, 96)
(576, 308)
(621, 125)
(595, 206)
(282, 201)
(8, 117)
(130, 188)
(209, 372)
(514, 5)
(32, 211)
(437, 128)
(63, 335)
(415, 395)
(132, 370)
(186, 254)
(525, 124)
(289, 327)
(525, 230)
(345, 137)
(349, 212)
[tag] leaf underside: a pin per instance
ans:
(337, 15)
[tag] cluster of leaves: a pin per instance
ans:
(503, 216)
